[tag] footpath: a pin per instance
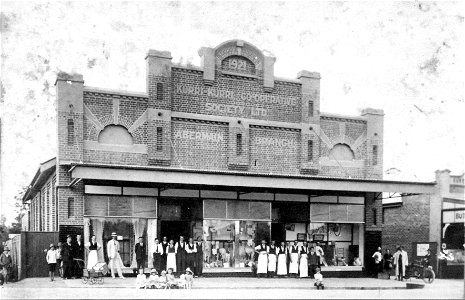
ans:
(233, 288)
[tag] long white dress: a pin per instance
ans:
(282, 257)
(262, 266)
(272, 251)
(171, 258)
(294, 264)
(303, 265)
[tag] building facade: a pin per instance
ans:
(226, 152)
(436, 219)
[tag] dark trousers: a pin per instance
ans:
(78, 266)
(157, 258)
(181, 261)
(190, 261)
(311, 270)
(67, 269)
(140, 264)
(163, 262)
(198, 264)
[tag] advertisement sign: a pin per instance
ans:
(422, 249)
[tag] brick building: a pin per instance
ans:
(436, 220)
(225, 151)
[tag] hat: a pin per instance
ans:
(317, 270)
(379, 248)
(188, 270)
(68, 236)
(52, 245)
(163, 271)
(113, 234)
(6, 249)
(153, 270)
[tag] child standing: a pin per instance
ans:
(189, 277)
(141, 279)
(319, 279)
(52, 261)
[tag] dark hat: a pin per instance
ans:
(69, 236)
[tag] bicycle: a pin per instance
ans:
(420, 270)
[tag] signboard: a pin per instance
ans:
(457, 216)
(422, 249)
(301, 236)
(318, 237)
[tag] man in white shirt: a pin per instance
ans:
(157, 253)
(191, 250)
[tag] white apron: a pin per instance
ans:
(262, 263)
(92, 259)
(294, 264)
(272, 262)
(282, 267)
(303, 266)
(171, 261)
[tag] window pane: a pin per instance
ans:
(324, 199)
(238, 210)
(120, 206)
(260, 210)
(145, 207)
(214, 209)
(96, 206)
(355, 213)
(351, 200)
(319, 212)
(338, 213)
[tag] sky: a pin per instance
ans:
(406, 58)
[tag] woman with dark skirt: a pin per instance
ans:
(388, 262)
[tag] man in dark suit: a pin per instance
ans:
(78, 256)
(141, 253)
(164, 244)
(67, 254)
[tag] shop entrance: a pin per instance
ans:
(173, 229)
(278, 233)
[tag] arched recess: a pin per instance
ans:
(341, 152)
(115, 135)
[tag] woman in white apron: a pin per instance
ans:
(171, 258)
(282, 257)
(272, 258)
(303, 265)
(294, 263)
(262, 264)
(93, 247)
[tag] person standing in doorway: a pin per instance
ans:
(164, 244)
(313, 261)
(140, 250)
(262, 264)
(51, 261)
(199, 257)
(294, 263)
(272, 259)
(115, 263)
(6, 264)
(303, 265)
(157, 253)
(59, 263)
(78, 256)
(181, 255)
(377, 258)
(67, 258)
(191, 250)
(321, 255)
(282, 260)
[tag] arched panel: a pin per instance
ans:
(341, 152)
(116, 135)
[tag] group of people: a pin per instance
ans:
(293, 260)
(388, 261)
(166, 280)
(68, 257)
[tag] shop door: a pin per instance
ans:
(173, 229)
(278, 233)
(372, 242)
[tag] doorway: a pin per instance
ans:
(278, 233)
(173, 229)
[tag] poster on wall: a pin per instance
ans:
(422, 249)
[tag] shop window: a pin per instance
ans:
(239, 144)
(341, 152)
(70, 132)
(375, 155)
(310, 108)
(159, 138)
(310, 150)
(115, 135)
(159, 91)
(70, 207)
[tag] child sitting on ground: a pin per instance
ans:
(171, 280)
(141, 279)
(162, 281)
(152, 281)
(319, 279)
(189, 278)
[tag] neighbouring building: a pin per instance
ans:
(434, 221)
(226, 152)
